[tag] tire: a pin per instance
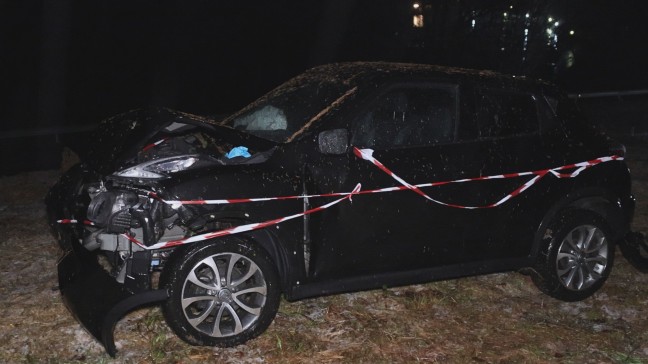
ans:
(576, 256)
(221, 293)
(635, 250)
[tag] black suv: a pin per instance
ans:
(348, 177)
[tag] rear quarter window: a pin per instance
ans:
(502, 113)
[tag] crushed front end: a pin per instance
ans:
(103, 274)
(106, 216)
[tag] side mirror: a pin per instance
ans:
(333, 142)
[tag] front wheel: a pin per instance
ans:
(576, 257)
(221, 293)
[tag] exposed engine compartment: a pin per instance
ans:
(120, 216)
(117, 196)
(123, 209)
(123, 203)
(126, 212)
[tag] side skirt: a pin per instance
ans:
(403, 278)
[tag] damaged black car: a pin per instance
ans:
(348, 177)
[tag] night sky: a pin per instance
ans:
(66, 64)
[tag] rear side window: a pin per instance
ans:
(409, 116)
(504, 113)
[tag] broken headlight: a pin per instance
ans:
(159, 168)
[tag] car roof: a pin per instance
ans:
(357, 73)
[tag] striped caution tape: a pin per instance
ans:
(242, 228)
(152, 145)
(73, 221)
(365, 154)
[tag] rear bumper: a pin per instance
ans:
(94, 297)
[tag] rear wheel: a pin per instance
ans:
(576, 257)
(222, 293)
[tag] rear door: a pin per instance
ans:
(512, 129)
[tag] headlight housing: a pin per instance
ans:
(159, 168)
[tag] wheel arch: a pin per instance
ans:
(264, 238)
(597, 200)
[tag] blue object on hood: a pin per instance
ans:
(238, 152)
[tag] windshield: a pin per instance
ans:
(283, 113)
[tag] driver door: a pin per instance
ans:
(412, 129)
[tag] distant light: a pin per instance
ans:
(417, 21)
(505, 14)
(550, 19)
(526, 31)
(511, 7)
(526, 15)
(473, 23)
(571, 32)
(549, 31)
(416, 5)
(556, 24)
(570, 59)
(503, 49)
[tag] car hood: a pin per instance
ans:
(119, 140)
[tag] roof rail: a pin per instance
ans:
(608, 94)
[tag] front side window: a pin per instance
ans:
(503, 114)
(409, 116)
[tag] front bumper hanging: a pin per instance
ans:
(95, 298)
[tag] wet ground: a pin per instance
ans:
(499, 318)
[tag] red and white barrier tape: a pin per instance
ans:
(242, 228)
(365, 154)
(73, 221)
(154, 144)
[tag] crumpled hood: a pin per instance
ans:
(118, 140)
